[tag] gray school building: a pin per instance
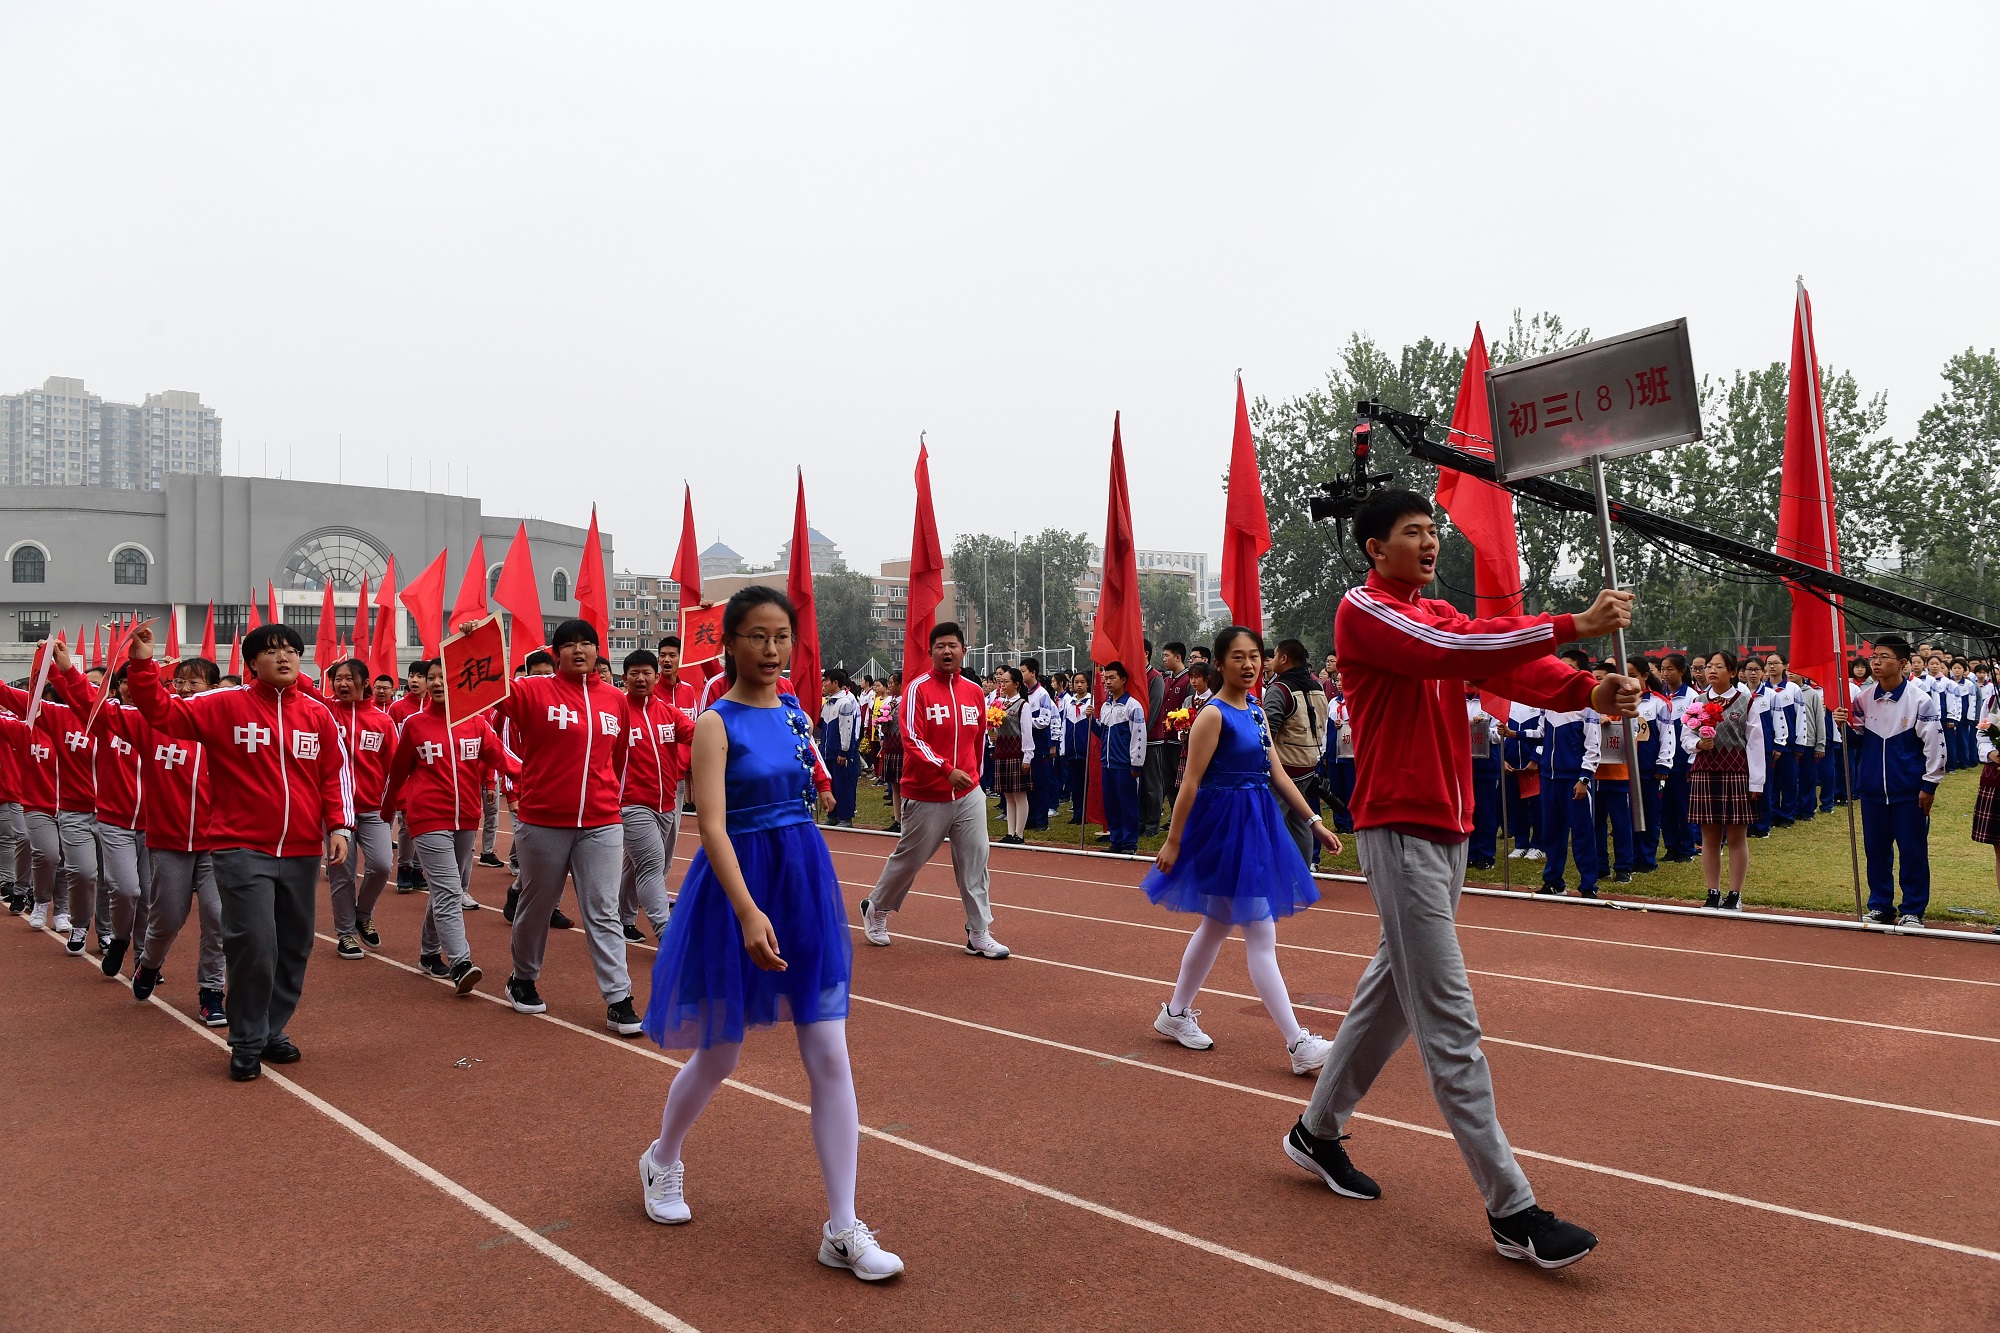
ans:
(73, 555)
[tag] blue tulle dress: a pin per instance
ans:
(1237, 863)
(706, 991)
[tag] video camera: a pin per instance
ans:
(1343, 495)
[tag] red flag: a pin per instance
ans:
(799, 587)
(425, 600)
(1806, 527)
(926, 575)
(590, 581)
(360, 652)
(326, 647)
(97, 645)
(520, 594)
(236, 656)
(687, 560)
(208, 634)
(383, 661)
(1117, 632)
(1481, 510)
(1246, 528)
(471, 603)
(251, 612)
(173, 634)
(277, 612)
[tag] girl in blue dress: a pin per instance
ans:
(1228, 857)
(759, 932)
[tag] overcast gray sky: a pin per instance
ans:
(590, 250)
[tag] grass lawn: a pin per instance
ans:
(1805, 867)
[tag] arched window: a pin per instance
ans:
(493, 580)
(129, 566)
(30, 565)
(558, 586)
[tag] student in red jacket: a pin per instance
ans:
(414, 698)
(944, 738)
(566, 729)
(1404, 662)
(121, 735)
(17, 881)
(369, 736)
(57, 760)
(436, 777)
(281, 786)
(651, 763)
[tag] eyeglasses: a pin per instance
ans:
(760, 640)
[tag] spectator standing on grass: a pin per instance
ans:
(1151, 694)
(1610, 792)
(1120, 727)
(1013, 754)
(1656, 760)
(1569, 760)
(1486, 764)
(1173, 698)
(1076, 709)
(1677, 833)
(1339, 749)
(1899, 761)
(1404, 659)
(892, 750)
(1722, 731)
(1296, 708)
(1986, 810)
(1521, 763)
(1041, 718)
(1811, 738)
(840, 744)
(1769, 724)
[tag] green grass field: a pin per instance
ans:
(1805, 867)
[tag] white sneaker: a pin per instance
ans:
(664, 1202)
(467, 903)
(1910, 922)
(874, 924)
(1537, 854)
(38, 915)
(985, 945)
(1182, 1028)
(855, 1250)
(1517, 853)
(1308, 1053)
(61, 923)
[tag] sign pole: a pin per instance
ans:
(1628, 727)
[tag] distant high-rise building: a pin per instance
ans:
(718, 560)
(63, 435)
(825, 553)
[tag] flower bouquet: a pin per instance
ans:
(995, 715)
(1179, 720)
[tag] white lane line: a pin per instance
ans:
(1489, 1037)
(430, 1175)
(1507, 930)
(1049, 1192)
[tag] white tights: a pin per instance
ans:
(1260, 945)
(836, 1117)
(1016, 804)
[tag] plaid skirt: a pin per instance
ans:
(1986, 811)
(1719, 789)
(892, 761)
(1009, 773)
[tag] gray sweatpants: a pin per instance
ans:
(489, 819)
(925, 825)
(182, 880)
(17, 864)
(64, 863)
(267, 935)
(127, 874)
(446, 857)
(592, 855)
(649, 855)
(371, 845)
(1416, 983)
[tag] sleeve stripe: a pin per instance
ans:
(1439, 637)
(910, 735)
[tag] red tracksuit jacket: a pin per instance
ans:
(1404, 663)
(280, 779)
(58, 757)
(649, 756)
(438, 773)
(566, 731)
(122, 735)
(370, 737)
(944, 727)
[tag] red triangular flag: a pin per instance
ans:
(1117, 632)
(804, 670)
(1246, 527)
(383, 660)
(326, 645)
(1807, 528)
(173, 634)
(1482, 511)
(208, 634)
(361, 609)
(687, 560)
(236, 657)
(277, 613)
(591, 602)
(251, 618)
(521, 595)
(97, 645)
(471, 603)
(425, 600)
(926, 575)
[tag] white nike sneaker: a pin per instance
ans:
(1517, 853)
(1308, 1053)
(61, 923)
(874, 924)
(985, 945)
(1537, 854)
(39, 916)
(1182, 1028)
(664, 1202)
(855, 1250)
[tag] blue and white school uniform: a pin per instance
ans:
(1121, 726)
(1569, 828)
(1899, 753)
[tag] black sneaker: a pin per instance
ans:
(349, 946)
(77, 939)
(433, 965)
(244, 1066)
(1881, 918)
(1326, 1159)
(465, 975)
(365, 928)
(489, 859)
(143, 980)
(513, 901)
(1538, 1235)
(524, 997)
(209, 1003)
(557, 921)
(406, 880)
(114, 956)
(895, 826)
(280, 1051)
(632, 933)
(1586, 893)
(1733, 903)
(621, 1018)
(1622, 877)
(1552, 890)
(1714, 899)
(17, 902)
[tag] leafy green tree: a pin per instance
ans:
(1943, 493)
(844, 605)
(1167, 609)
(1056, 561)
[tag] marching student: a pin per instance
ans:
(369, 736)
(384, 692)
(120, 772)
(1721, 729)
(17, 883)
(1403, 657)
(651, 762)
(760, 932)
(1229, 857)
(537, 663)
(264, 739)
(178, 802)
(1121, 728)
(566, 728)
(840, 744)
(414, 698)
(435, 777)
(1569, 759)
(1899, 758)
(944, 732)
(57, 759)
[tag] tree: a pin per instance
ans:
(1000, 586)
(1166, 608)
(1940, 492)
(844, 602)
(1058, 561)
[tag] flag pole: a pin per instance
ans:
(1832, 601)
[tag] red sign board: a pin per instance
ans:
(701, 636)
(1606, 399)
(475, 670)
